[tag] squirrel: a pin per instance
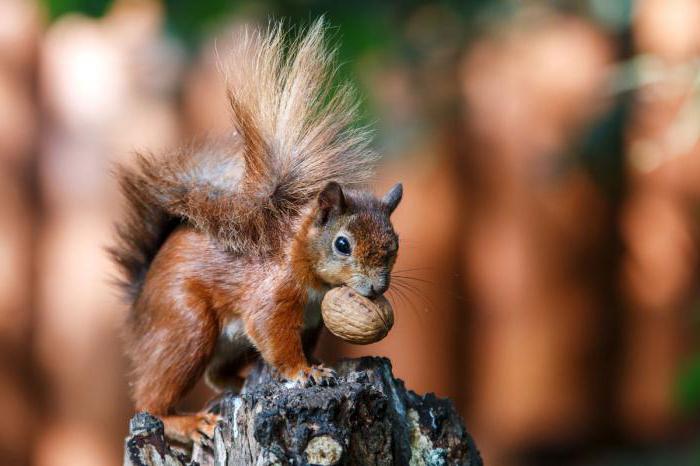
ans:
(227, 248)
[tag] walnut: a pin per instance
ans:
(354, 318)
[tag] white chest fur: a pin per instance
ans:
(233, 339)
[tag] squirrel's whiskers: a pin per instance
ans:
(407, 290)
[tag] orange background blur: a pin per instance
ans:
(550, 235)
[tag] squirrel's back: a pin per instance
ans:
(292, 133)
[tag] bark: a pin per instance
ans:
(367, 417)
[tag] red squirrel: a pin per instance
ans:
(227, 248)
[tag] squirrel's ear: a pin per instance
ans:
(392, 198)
(331, 200)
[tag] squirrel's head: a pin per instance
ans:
(352, 240)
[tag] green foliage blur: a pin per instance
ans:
(688, 387)
(57, 8)
(365, 23)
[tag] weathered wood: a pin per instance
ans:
(366, 417)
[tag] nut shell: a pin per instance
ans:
(355, 318)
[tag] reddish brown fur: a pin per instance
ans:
(195, 287)
(223, 244)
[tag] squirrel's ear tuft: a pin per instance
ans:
(331, 200)
(392, 198)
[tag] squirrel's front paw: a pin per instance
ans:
(314, 375)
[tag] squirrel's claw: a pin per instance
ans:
(205, 428)
(315, 375)
(328, 378)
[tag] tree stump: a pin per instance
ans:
(367, 417)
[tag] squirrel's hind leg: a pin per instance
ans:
(190, 428)
(169, 359)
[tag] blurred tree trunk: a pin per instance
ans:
(536, 231)
(19, 218)
(107, 87)
(659, 221)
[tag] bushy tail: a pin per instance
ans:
(293, 134)
(297, 128)
(144, 227)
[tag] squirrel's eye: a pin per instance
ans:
(342, 245)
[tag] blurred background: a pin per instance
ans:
(550, 227)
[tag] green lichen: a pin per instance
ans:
(422, 451)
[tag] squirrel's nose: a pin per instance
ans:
(372, 292)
